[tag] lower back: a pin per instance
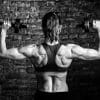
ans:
(52, 82)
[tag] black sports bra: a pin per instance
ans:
(51, 65)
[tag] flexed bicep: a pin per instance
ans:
(13, 53)
(84, 53)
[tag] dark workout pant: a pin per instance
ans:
(55, 96)
(51, 96)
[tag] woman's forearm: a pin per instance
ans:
(3, 41)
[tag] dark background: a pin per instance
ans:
(17, 78)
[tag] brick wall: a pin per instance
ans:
(17, 77)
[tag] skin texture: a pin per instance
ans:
(50, 81)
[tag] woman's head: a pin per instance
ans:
(51, 26)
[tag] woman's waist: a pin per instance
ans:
(42, 91)
(53, 88)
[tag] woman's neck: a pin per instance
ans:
(53, 43)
